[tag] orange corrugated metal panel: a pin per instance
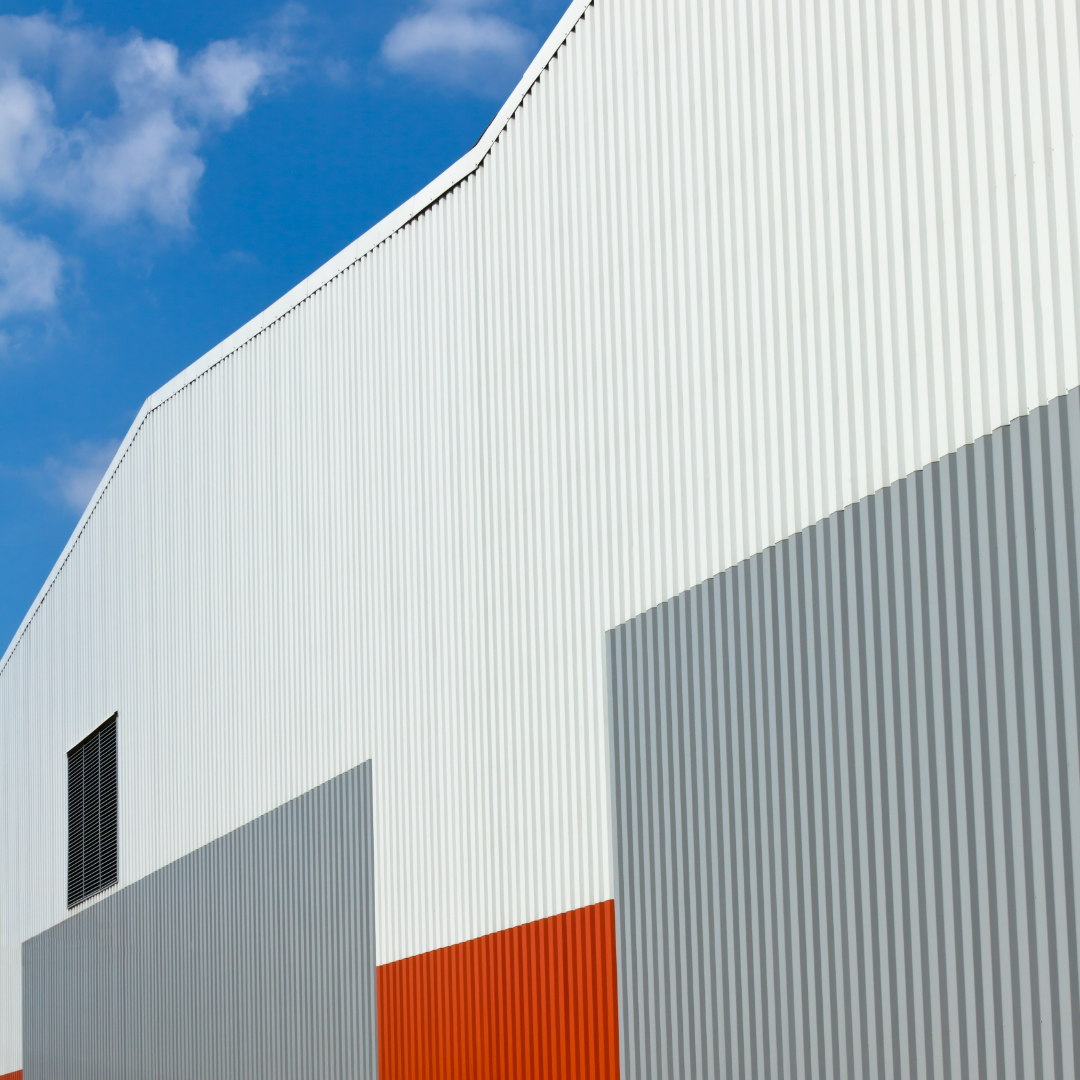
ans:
(537, 1001)
(12, 1076)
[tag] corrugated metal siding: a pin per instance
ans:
(537, 1002)
(847, 787)
(728, 268)
(251, 957)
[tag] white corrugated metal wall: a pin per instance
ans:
(728, 268)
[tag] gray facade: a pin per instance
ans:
(845, 787)
(253, 956)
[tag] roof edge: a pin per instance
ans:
(396, 220)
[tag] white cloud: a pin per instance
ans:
(457, 43)
(25, 131)
(138, 156)
(226, 75)
(30, 269)
(149, 167)
(73, 479)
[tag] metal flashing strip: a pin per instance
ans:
(378, 234)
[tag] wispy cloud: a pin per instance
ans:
(30, 270)
(71, 479)
(139, 156)
(459, 43)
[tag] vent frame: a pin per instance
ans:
(93, 814)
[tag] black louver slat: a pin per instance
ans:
(92, 814)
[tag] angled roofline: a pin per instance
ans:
(396, 220)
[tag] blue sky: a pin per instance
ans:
(169, 170)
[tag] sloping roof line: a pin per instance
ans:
(442, 185)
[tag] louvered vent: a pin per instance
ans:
(92, 814)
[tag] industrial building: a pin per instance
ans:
(621, 616)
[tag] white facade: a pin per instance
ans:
(715, 272)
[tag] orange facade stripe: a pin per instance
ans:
(537, 1001)
(12, 1076)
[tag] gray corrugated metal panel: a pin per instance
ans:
(251, 957)
(846, 783)
(728, 268)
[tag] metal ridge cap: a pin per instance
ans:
(379, 233)
(385, 228)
